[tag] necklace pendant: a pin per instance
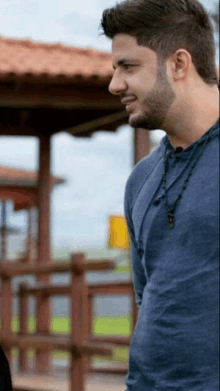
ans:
(171, 219)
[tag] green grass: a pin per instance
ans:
(123, 269)
(101, 326)
(119, 325)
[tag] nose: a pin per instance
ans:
(117, 85)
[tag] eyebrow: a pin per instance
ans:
(123, 61)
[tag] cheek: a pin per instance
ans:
(138, 89)
(142, 100)
(143, 85)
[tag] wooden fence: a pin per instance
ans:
(81, 343)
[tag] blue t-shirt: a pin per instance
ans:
(175, 346)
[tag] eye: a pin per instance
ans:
(128, 66)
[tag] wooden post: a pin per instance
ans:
(3, 255)
(142, 144)
(6, 313)
(30, 240)
(23, 320)
(90, 320)
(85, 322)
(44, 250)
(79, 317)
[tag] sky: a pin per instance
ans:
(96, 169)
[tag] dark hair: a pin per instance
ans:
(166, 26)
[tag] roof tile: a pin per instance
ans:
(24, 57)
(10, 175)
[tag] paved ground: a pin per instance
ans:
(100, 382)
(58, 380)
(96, 382)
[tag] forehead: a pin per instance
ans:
(125, 46)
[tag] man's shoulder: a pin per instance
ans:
(140, 173)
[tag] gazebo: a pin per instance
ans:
(21, 187)
(48, 88)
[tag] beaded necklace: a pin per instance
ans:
(171, 209)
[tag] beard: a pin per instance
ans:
(158, 102)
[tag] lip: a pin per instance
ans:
(126, 101)
(129, 106)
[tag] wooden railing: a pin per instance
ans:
(81, 343)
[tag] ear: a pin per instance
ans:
(181, 64)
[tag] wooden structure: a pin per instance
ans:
(20, 187)
(81, 296)
(77, 344)
(45, 89)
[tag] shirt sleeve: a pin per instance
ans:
(138, 273)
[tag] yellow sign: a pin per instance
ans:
(118, 233)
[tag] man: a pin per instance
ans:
(164, 72)
(5, 377)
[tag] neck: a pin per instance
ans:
(192, 118)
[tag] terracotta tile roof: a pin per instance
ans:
(19, 177)
(27, 59)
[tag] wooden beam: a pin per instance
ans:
(111, 339)
(11, 130)
(22, 205)
(63, 96)
(111, 288)
(16, 121)
(97, 123)
(45, 268)
(18, 195)
(57, 343)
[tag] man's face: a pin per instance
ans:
(141, 83)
